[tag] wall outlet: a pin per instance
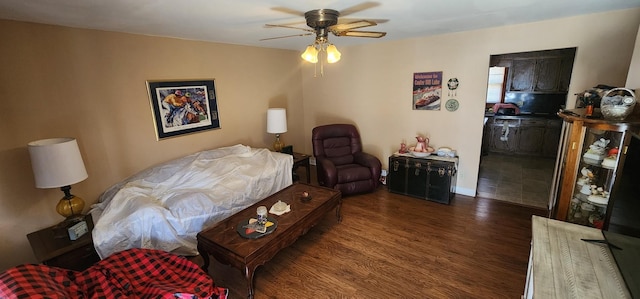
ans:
(383, 176)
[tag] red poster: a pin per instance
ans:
(427, 90)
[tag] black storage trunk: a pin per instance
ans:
(425, 178)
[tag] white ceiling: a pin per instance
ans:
(242, 21)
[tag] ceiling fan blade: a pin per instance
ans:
(358, 7)
(289, 11)
(350, 20)
(351, 25)
(361, 34)
(293, 35)
(287, 26)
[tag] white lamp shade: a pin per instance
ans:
(56, 162)
(276, 120)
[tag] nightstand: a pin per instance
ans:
(62, 252)
(302, 160)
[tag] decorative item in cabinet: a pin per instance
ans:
(432, 178)
(617, 107)
(587, 165)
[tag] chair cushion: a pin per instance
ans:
(352, 172)
(338, 150)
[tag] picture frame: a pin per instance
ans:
(183, 106)
(427, 91)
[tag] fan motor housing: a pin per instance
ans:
(321, 18)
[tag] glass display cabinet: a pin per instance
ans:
(589, 160)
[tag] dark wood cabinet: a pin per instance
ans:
(547, 74)
(530, 141)
(564, 78)
(525, 136)
(432, 178)
(531, 136)
(504, 135)
(521, 75)
(546, 71)
(53, 247)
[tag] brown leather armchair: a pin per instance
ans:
(340, 162)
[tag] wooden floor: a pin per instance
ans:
(394, 246)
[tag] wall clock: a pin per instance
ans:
(452, 105)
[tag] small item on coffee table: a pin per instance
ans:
(305, 196)
(256, 225)
(280, 208)
(262, 213)
(252, 229)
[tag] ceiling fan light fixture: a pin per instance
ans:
(310, 54)
(333, 55)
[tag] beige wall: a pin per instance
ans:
(371, 86)
(633, 77)
(91, 85)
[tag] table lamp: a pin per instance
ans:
(277, 124)
(57, 163)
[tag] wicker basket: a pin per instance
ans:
(617, 107)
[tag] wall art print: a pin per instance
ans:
(427, 90)
(183, 107)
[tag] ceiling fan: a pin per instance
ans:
(323, 21)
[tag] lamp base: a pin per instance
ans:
(69, 205)
(278, 145)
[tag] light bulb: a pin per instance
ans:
(310, 54)
(333, 55)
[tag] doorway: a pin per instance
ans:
(519, 149)
(520, 180)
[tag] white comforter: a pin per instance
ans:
(165, 206)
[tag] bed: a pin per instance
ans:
(165, 206)
(133, 273)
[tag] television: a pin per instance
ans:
(624, 215)
(623, 226)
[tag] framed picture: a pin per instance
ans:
(427, 90)
(183, 107)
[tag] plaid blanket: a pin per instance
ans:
(133, 273)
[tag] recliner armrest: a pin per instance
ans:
(328, 174)
(370, 161)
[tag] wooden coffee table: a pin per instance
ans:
(223, 242)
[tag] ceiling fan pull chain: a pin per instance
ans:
(315, 70)
(321, 65)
